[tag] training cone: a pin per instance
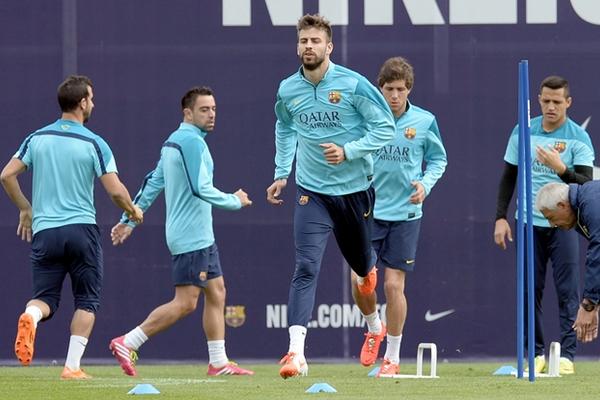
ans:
(506, 370)
(373, 372)
(144, 388)
(321, 387)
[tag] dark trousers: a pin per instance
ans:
(316, 216)
(562, 249)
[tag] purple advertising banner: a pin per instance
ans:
(142, 56)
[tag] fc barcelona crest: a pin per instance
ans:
(335, 97)
(303, 200)
(235, 316)
(410, 133)
(560, 146)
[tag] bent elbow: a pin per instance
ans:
(5, 177)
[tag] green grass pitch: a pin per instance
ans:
(457, 381)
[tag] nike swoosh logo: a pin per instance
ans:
(366, 215)
(429, 317)
(585, 123)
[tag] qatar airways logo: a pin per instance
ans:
(420, 12)
(320, 119)
(540, 168)
(393, 153)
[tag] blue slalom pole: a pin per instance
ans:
(529, 227)
(520, 236)
(525, 201)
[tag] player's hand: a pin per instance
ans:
(137, 215)
(550, 157)
(333, 153)
(244, 199)
(501, 232)
(275, 190)
(24, 228)
(586, 325)
(119, 233)
(419, 195)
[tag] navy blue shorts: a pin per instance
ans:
(70, 249)
(197, 267)
(349, 217)
(395, 243)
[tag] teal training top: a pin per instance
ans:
(185, 172)
(400, 162)
(65, 157)
(572, 142)
(343, 108)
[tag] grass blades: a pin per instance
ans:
(457, 381)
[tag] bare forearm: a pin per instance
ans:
(14, 192)
(121, 198)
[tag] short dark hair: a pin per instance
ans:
(189, 98)
(556, 82)
(396, 69)
(72, 91)
(315, 21)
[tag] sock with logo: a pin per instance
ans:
(217, 357)
(392, 351)
(76, 348)
(135, 338)
(373, 322)
(35, 313)
(297, 337)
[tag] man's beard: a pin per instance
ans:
(86, 117)
(314, 65)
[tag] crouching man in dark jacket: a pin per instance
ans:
(578, 206)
